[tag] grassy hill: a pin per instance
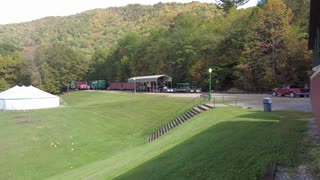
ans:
(100, 27)
(92, 126)
(100, 135)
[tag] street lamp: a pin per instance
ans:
(210, 71)
(134, 85)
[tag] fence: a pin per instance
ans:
(255, 101)
(245, 101)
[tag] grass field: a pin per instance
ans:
(102, 136)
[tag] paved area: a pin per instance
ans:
(278, 103)
(254, 101)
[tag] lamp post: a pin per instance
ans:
(134, 85)
(210, 71)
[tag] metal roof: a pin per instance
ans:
(152, 78)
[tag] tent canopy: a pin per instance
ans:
(24, 98)
(24, 92)
(153, 78)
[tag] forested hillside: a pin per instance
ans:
(100, 28)
(252, 49)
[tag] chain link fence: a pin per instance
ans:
(255, 101)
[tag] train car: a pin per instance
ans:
(81, 85)
(73, 85)
(99, 84)
(90, 84)
(121, 86)
(127, 86)
(115, 86)
(102, 84)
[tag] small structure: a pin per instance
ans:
(154, 83)
(26, 98)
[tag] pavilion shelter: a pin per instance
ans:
(153, 83)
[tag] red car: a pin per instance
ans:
(291, 90)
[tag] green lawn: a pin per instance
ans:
(103, 135)
(238, 146)
(91, 126)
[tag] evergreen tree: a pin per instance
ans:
(228, 4)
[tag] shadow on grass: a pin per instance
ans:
(276, 115)
(236, 149)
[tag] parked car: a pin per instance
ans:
(168, 90)
(183, 87)
(194, 89)
(291, 90)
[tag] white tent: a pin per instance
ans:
(24, 98)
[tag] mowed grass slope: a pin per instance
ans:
(109, 131)
(91, 126)
(239, 145)
(224, 143)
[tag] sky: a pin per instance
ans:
(16, 11)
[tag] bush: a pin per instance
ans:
(3, 85)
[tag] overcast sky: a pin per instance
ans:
(15, 11)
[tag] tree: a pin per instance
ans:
(301, 12)
(97, 67)
(229, 4)
(56, 65)
(11, 66)
(3, 85)
(274, 20)
(275, 51)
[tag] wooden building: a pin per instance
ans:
(314, 45)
